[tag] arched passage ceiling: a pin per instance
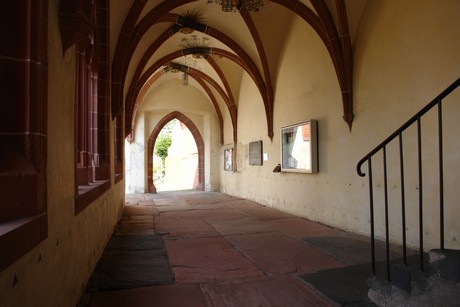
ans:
(150, 44)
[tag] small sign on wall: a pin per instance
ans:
(255, 153)
(228, 159)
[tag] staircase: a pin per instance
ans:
(423, 279)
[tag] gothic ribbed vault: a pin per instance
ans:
(192, 37)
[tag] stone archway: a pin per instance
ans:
(199, 184)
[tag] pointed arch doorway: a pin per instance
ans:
(199, 182)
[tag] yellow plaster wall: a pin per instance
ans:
(404, 55)
(56, 271)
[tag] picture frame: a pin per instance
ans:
(299, 147)
(228, 159)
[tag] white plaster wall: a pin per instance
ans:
(168, 97)
(136, 178)
(403, 57)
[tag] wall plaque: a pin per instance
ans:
(255, 153)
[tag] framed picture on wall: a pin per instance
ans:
(299, 147)
(228, 159)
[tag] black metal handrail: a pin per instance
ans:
(382, 147)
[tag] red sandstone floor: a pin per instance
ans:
(226, 251)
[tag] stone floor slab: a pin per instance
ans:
(224, 251)
(208, 259)
(346, 286)
(124, 270)
(130, 210)
(265, 213)
(184, 228)
(188, 206)
(181, 294)
(134, 232)
(269, 291)
(238, 225)
(276, 253)
(205, 213)
(133, 243)
(351, 249)
(237, 203)
(202, 196)
(131, 261)
(301, 228)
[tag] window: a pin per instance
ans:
(86, 109)
(118, 146)
(23, 92)
(87, 21)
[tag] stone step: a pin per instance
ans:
(445, 264)
(440, 264)
(409, 286)
(404, 276)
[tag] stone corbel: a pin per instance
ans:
(75, 24)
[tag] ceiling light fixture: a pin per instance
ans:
(194, 41)
(190, 17)
(185, 79)
(235, 5)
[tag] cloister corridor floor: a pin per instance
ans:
(210, 249)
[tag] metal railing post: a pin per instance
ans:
(371, 202)
(420, 189)
(441, 177)
(387, 226)
(403, 197)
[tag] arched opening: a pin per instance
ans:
(198, 182)
(175, 158)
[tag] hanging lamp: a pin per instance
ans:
(234, 5)
(185, 79)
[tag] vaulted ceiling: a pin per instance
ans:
(156, 41)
